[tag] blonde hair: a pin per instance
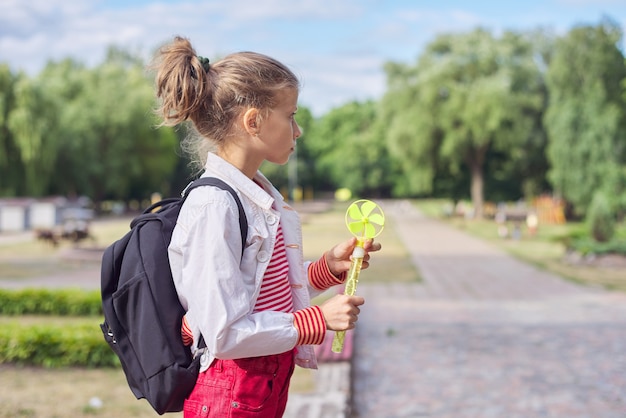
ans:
(212, 99)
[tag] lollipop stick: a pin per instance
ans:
(351, 282)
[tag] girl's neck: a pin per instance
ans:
(245, 162)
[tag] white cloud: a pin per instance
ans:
(332, 81)
(36, 31)
(289, 9)
(439, 21)
(338, 47)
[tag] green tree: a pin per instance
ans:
(412, 139)
(469, 95)
(585, 119)
(348, 151)
(112, 146)
(78, 131)
(31, 122)
(600, 218)
(61, 84)
(11, 169)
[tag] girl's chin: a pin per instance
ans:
(284, 160)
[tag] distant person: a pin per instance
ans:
(503, 229)
(253, 311)
(532, 222)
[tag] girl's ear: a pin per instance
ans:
(251, 121)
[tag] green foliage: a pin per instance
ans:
(11, 169)
(110, 142)
(78, 131)
(411, 131)
(69, 302)
(586, 246)
(348, 151)
(600, 218)
(477, 115)
(468, 95)
(31, 119)
(586, 116)
(55, 346)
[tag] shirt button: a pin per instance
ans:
(270, 219)
(263, 256)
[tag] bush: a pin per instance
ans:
(55, 346)
(600, 218)
(70, 302)
(590, 246)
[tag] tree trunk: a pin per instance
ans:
(477, 189)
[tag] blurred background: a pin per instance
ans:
(480, 103)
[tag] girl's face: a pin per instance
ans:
(279, 129)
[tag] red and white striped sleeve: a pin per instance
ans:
(185, 332)
(311, 325)
(321, 277)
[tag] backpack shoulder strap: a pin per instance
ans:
(213, 181)
(243, 220)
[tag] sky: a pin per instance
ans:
(337, 47)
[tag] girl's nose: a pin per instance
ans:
(297, 132)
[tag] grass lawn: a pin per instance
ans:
(31, 258)
(60, 393)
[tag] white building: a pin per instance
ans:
(23, 214)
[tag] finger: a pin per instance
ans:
(357, 300)
(340, 251)
(371, 245)
(348, 245)
(354, 312)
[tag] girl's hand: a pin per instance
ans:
(338, 258)
(341, 312)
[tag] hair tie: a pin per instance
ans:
(205, 63)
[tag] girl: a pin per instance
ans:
(253, 311)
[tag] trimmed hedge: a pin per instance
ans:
(55, 346)
(64, 302)
(52, 345)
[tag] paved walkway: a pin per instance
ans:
(485, 336)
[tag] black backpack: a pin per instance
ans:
(142, 313)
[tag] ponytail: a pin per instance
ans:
(211, 96)
(181, 82)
